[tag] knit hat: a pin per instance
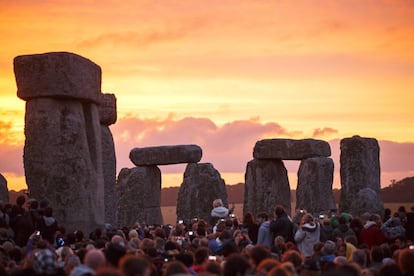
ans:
(45, 262)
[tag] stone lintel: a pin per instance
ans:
(165, 155)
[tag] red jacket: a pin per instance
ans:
(371, 234)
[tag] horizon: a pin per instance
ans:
(224, 75)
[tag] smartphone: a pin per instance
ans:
(180, 221)
(37, 233)
(411, 247)
(212, 258)
(190, 233)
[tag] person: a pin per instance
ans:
(371, 234)
(48, 226)
(392, 228)
(282, 225)
(307, 235)
(264, 236)
(250, 225)
(218, 212)
(409, 226)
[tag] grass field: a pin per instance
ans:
(169, 215)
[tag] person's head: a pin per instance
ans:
(48, 212)
(131, 265)
(307, 218)
(20, 200)
(359, 257)
(279, 211)
(187, 258)
(113, 253)
(94, 259)
(294, 257)
(175, 267)
(217, 203)
(236, 264)
(405, 261)
(258, 254)
(377, 254)
(248, 218)
(266, 265)
(201, 255)
(262, 216)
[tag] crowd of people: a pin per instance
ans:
(32, 242)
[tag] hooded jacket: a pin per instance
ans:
(306, 236)
(371, 234)
(264, 236)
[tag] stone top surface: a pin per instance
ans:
(290, 149)
(165, 155)
(58, 75)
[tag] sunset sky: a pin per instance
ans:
(225, 74)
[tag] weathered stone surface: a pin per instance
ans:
(139, 192)
(4, 191)
(165, 155)
(109, 174)
(57, 74)
(267, 185)
(107, 109)
(201, 185)
(366, 200)
(63, 160)
(289, 149)
(314, 190)
(360, 168)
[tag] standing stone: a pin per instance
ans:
(165, 155)
(139, 192)
(366, 200)
(4, 191)
(360, 169)
(267, 185)
(289, 149)
(107, 116)
(201, 185)
(314, 190)
(63, 151)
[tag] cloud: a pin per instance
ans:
(228, 147)
(144, 38)
(322, 132)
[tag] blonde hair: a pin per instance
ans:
(217, 203)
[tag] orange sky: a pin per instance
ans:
(207, 72)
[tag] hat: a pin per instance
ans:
(45, 262)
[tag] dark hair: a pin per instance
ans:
(201, 255)
(263, 215)
(279, 210)
(20, 200)
(236, 264)
(259, 253)
(132, 265)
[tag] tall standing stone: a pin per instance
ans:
(201, 185)
(267, 185)
(139, 192)
(4, 191)
(314, 190)
(360, 169)
(63, 150)
(108, 116)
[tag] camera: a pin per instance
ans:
(180, 221)
(190, 233)
(232, 215)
